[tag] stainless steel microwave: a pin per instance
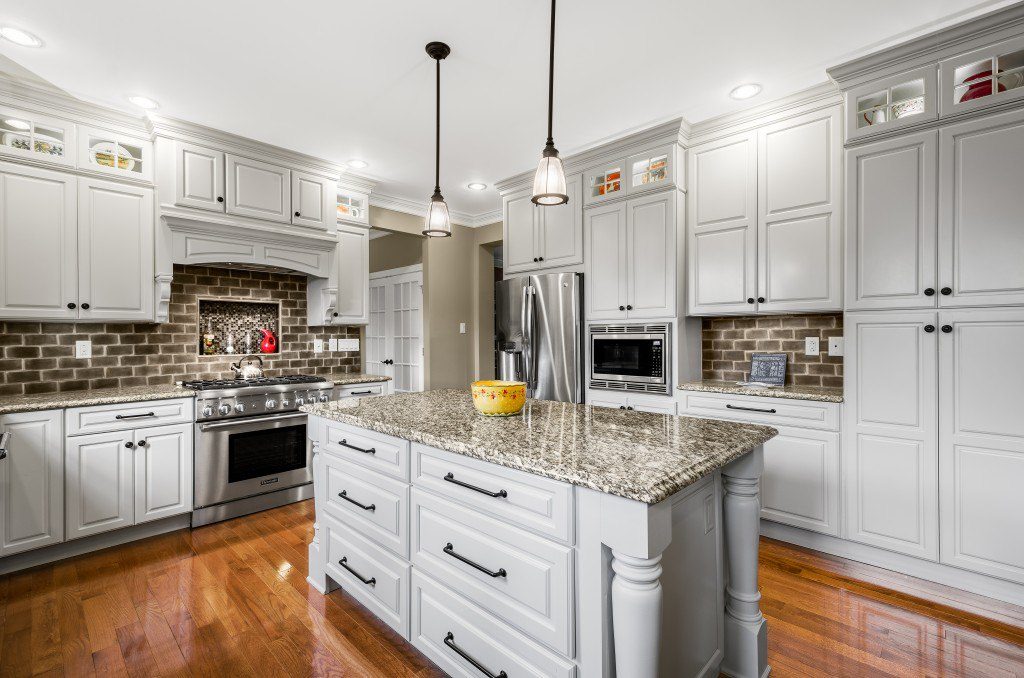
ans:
(631, 357)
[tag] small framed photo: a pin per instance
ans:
(768, 368)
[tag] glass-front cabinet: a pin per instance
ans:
(647, 171)
(604, 182)
(37, 137)
(108, 152)
(353, 207)
(896, 101)
(984, 77)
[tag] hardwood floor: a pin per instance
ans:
(231, 599)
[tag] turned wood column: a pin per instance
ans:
(636, 615)
(746, 634)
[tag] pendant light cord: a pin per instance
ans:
(437, 135)
(551, 76)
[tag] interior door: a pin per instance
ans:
(115, 251)
(376, 329)
(560, 229)
(405, 331)
(163, 471)
(651, 252)
(311, 201)
(99, 494)
(258, 189)
(38, 243)
(32, 481)
(606, 263)
(200, 177)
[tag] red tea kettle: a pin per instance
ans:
(269, 342)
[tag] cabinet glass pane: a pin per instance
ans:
(350, 207)
(650, 170)
(907, 99)
(871, 109)
(107, 151)
(48, 141)
(24, 135)
(974, 81)
(609, 181)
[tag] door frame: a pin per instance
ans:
(382, 277)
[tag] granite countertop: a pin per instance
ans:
(819, 393)
(347, 379)
(99, 396)
(638, 455)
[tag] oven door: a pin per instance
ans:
(638, 358)
(242, 458)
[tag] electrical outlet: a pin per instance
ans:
(348, 344)
(811, 346)
(835, 346)
(318, 346)
(332, 344)
(462, 328)
(83, 349)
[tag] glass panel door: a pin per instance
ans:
(353, 207)
(984, 77)
(376, 330)
(40, 138)
(113, 153)
(407, 331)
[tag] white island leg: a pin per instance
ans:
(318, 553)
(746, 634)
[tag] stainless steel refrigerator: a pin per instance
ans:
(539, 334)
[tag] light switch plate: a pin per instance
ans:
(83, 349)
(332, 344)
(462, 328)
(348, 344)
(835, 346)
(811, 346)
(318, 346)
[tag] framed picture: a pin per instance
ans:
(768, 368)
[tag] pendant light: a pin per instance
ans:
(438, 223)
(549, 182)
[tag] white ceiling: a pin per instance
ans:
(346, 79)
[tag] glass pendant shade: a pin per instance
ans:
(438, 223)
(549, 182)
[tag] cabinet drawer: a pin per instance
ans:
(370, 574)
(124, 416)
(364, 390)
(760, 410)
(515, 575)
(443, 625)
(374, 504)
(536, 504)
(380, 452)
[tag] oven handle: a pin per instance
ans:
(257, 420)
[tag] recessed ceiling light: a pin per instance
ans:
(20, 37)
(357, 164)
(476, 186)
(746, 91)
(17, 124)
(144, 102)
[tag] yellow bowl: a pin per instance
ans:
(498, 398)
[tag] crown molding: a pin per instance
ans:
(418, 208)
(818, 96)
(50, 100)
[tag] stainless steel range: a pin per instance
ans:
(251, 448)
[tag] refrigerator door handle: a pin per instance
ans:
(528, 335)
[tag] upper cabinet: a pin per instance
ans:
(890, 103)
(353, 297)
(258, 189)
(353, 207)
(984, 77)
(116, 154)
(627, 177)
(200, 177)
(312, 200)
(542, 237)
(37, 137)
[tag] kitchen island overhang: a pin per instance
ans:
(592, 539)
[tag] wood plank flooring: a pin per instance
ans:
(231, 599)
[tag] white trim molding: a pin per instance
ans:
(418, 208)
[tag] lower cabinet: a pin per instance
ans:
(31, 481)
(621, 401)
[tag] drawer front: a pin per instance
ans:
(447, 629)
(368, 572)
(124, 416)
(536, 504)
(515, 575)
(760, 410)
(363, 390)
(373, 450)
(374, 504)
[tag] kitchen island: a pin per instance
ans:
(566, 541)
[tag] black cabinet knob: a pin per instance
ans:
(335, 314)
(929, 291)
(220, 198)
(929, 328)
(297, 214)
(628, 307)
(142, 443)
(129, 444)
(750, 300)
(71, 305)
(85, 307)
(622, 407)
(946, 291)
(622, 308)
(947, 328)
(760, 300)
(540, 258)
(535, 260)
(630, 407)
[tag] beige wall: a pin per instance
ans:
(395, 251)
(486, 238)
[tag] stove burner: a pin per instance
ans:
(213, 384)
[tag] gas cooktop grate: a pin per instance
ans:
(211, 384)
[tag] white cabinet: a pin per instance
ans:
(983, 77)
(199, 177)
(353, 300)
(891, 223)
(542, 237)
(890, 449)
(800, 483)
(621, 401)
(981, 441)
(115, 251)
(981, 241)
(113, 153)
(312, 201)
(38, 243)
(891, 102)
(31, 481)
(100, 483)
(28, 135)
(258, 189)
(649, 170)
(353, 207)
(163, 471)
(631, 258)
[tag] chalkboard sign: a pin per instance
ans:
(768, 368)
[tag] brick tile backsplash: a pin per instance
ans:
(727, 344)
(40, 357)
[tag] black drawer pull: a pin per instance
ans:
(134, 416)
(750, 409)
(449, 640)
(372, 581)
(450, 550)
(344, 495)
(371, 450)
(366, 392)
(451, 479)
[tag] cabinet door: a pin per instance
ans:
(981, 241)
(100, 150)
(892, 102)
(722, 232)
(651, 256)
(605, 182)
(656, 405)
(115, 251)
(800, 484)
(258, 189)
(890, 455)
(981, 441)
(99, 487)
(606, 267)
(353, 301)
(520, 232)
(32, 481)
(561, 229)
(199, 173)
(799, 248)
(38, 244)
(891, 223)
(163, 472)
(966, 80)
(312, 198)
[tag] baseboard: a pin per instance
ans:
(77, 547)
(972, 582)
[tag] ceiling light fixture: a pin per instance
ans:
(549, 182)
(438, 223)
(20, 37)
(476, 186)
(357, 164)
(144, 102)
(18, 124)
(751, 89)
